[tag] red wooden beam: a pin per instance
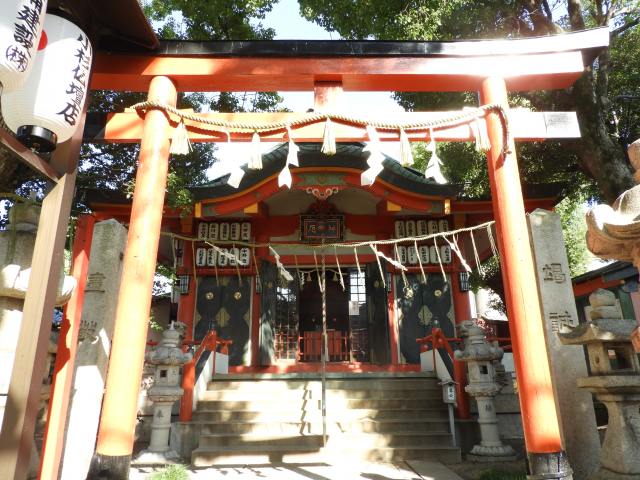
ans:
(418, 74)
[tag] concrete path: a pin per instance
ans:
(414, 470)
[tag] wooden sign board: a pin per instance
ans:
(322, 227)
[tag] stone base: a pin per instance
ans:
(147, 457)
(489, 459)
(604, 474)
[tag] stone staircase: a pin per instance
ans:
(270, 420)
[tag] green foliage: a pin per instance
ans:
(572, 211)
(172, 472)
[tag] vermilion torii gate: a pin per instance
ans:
(492, 68)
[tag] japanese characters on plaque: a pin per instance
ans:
(321, 227)
(427, 252)
(27, 25)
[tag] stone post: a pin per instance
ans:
(615, 381)
(96, 330)
(16, 249)
(168, 358)
(576, 415)
(480, 356)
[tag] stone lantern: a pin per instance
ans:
(614, 232)
(615, 381)
(168, 358)
(481, 356)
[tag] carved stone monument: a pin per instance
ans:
(480, 356)
(576, 415)
(96, 330)
(615, 381)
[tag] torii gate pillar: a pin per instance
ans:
(539, 418)
(118, 419)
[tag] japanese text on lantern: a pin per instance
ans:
(25, 35)
(78, 84)
(552, 272)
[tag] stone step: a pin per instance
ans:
(333, 427)
(211, 414)
(337, 384)
(316, 393)
(334, 404)
(207, 456)
(339, 441)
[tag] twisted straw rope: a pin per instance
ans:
(265, 127)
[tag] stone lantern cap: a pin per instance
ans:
(168, 352)
(613, 232)
(476, 348)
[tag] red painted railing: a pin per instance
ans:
(210, 342)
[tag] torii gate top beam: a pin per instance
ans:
(549, 62)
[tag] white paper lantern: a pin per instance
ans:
(46, 110)
(211, 257)
(443, 225)
(402, 255)
(422, 227)
(433, 227)
(20, 35)
(433, 254)
(213, 231)
(245, 231)
(424, 254)
(399, 226)
(236, 253)
(203, 231)
(224, 231)
(410, 228)
(223, 260)
(412, 255)
(201, 257)
(445, 253)
(244, 257)
(235, 231)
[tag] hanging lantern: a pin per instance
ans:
(433, 227)
(445, 253)
(422, 227)
(224, 231)
(424, 254)
(245, 231)
(244, 257)
(223, 260)
(412, 255)
(46, 109)
(410, 228)
(201, 257)
(203, 231)
(443, 226)
(213, 231)
(433, 254)
(402, 254)
(211, 257)
(235, 231)
(20, 37)
(399, 229)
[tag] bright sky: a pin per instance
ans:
(285, 19)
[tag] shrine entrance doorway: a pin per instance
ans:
(351, 323)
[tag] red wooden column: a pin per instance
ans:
(187, 302)
(462, 311)
(66, 355)
(118, 419)
(539, 419)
